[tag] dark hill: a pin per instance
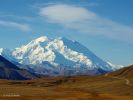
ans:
(10, 71)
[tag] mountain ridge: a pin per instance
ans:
(61, 53)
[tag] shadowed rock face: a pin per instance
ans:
(10, 71)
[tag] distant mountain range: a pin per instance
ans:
(58, 56)
(10, 71)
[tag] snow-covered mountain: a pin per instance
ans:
(58, 56)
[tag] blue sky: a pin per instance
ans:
(104, 26)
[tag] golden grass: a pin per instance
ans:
(67, 88)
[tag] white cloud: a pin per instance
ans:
(19, 26)
(86, 21)
(65, 14)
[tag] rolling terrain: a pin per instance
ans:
(112, 86)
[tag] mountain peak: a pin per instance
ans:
(41, 39)
(63, 55)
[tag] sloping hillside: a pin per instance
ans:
(125, 72)
(10, 71)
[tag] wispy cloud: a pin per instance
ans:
(86, 21)
(13, 16)
(16, 25)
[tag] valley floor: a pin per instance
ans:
(68, 88)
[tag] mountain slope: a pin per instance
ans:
(10, 71)
(58, 56)
(126, 72)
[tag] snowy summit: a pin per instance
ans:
(58, 56)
